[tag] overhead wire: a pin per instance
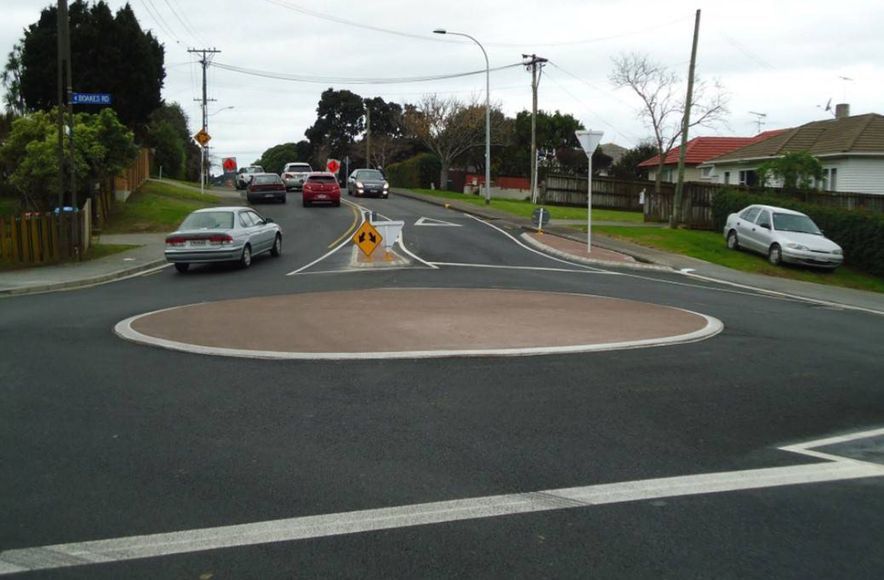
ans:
(185, 23)
(160, 21)
(355, 80)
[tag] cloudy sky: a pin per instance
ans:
(784, 58)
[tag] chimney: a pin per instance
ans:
(842, 110)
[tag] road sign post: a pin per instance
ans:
(540, 217)
(589, 140)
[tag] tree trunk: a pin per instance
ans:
(443, 176)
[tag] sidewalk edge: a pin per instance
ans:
(85, 282)
(591, 261)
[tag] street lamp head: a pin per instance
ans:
(440, 31)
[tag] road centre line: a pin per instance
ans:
(328, 525)
(350, 230)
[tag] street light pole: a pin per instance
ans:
(487, 112)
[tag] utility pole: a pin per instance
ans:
(367, 137)
(205, 58)
(536, 66)
(676, 216)
(65, 108)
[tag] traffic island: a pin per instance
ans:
(416, 323)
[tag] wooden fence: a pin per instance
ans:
(607, 192)
(41, 238)
(612, 193)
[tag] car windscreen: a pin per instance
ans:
(370, 175)
(321, 179)
(266, 179)
(255, 169)
(299, 168)
(208, 220)
(787, 222)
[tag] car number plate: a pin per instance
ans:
(268, 195)
(197, 242)
(321, 196)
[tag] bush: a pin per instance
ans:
(419, 171)
(860, 233)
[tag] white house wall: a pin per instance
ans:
(859, 174)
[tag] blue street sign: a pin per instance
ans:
(90, 99)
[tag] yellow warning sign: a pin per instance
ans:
(367, 238)
(202, 137)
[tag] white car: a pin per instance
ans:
(245, 174)
(783, 235)
(222, 234)
(295, 174)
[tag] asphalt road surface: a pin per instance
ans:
(663, 462)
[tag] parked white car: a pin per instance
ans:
(783, 235)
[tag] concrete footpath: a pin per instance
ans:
(147, 254)
(691, 267)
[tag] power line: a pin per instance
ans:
(632, 137)
(354, 80)
(185, 23)
(160, 21)
(337, 19)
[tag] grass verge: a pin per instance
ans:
(156, 207)
(521, 208)
(710, 246)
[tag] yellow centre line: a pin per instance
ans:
(349, 230)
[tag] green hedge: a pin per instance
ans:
(419, 171)
(860, 233)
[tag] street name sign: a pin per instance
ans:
(90, 99)
(367, 238)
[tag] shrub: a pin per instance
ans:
(860, 233)
(419, 171)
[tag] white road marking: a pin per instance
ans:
(370, 520)
(504, 267)
(530, 249)
(321, 258)
(413, 255)
(425, 221)
(124, 330)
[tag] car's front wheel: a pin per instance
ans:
(182, 267)
(732, 241)
(245, 260)
(775, 255)
(276, 250)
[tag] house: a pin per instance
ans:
(851, 150)
(615, 152)
(699, 150)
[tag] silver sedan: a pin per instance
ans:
(783, 235)
(222, 234)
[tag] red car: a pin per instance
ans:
(321, 187)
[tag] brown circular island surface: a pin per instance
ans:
(415, 322)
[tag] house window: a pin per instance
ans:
(832, 179)
(748, 178)
(706, 172)
(727, 177)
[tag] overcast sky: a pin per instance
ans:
(784, 58)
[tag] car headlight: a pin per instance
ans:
(359, 184)
(386, 185)
(838, 252)
(795, 246)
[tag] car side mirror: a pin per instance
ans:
(268, 220)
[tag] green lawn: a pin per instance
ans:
(710, 246)
(156, 207)
(526, 208)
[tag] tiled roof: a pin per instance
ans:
(858, 134)
(702, 149)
